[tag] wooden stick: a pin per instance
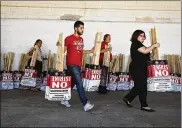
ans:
(96, 54)
(49, 60)
(54, 61)
(60, 54)
(128, 63)
(21, 61)
(154, 41)
(121, 62)
(5, 62)
(114, 64)
(34, 56)
(10, 60)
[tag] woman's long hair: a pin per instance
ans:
(135, 35)
(37, 41)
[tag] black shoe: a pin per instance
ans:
(127, 102)
(147, 109)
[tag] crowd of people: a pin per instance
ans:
(74, 46)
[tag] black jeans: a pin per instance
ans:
(139, 77)
(75, 72)
(38, 67)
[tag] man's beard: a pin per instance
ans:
(79, 33)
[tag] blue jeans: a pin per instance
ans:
(75, 72)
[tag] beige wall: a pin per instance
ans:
(120, 11)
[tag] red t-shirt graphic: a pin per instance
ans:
(74, 46)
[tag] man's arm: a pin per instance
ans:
(65, 49)
(88, 51)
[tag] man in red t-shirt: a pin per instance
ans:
(74, 45)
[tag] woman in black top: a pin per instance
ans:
(138, 69)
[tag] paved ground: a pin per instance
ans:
(22, 108)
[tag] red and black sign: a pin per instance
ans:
(123, 77)
(92, 72)
(113, 77)
(7, 76)
(176, 78)
(158, 68)
(30, 73)
(59, 82)
(17, 76)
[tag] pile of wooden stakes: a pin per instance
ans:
(8, 61)
(153, 39)
(174, 62)
(116, 65)
(23, 62)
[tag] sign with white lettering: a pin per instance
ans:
(159, 84)
(123, 81)
(91, 79)
(29, 78)
(7, 81)
(58, 88)
(176, 82)
(158, 68)
(17, 78)
(112, 84)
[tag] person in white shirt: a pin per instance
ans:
(38, 64)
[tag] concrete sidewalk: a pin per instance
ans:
(22, 108)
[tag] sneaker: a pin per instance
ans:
(65, 103)
(88, 107)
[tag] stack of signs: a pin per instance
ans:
(7, 81)
(123, 81)
(29, 78)
(159, 78)
(17, 78)
(112, 81)
(91, 80)
(176, 82)
(58, 87)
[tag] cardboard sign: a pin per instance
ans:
(7, 81)
(176, 82)
(17, 78)
(58, 88)
(94, 74)
(123, 81)
(29, 78)
(112, 84)
(159, 84)
(91, 80)
(158, 68)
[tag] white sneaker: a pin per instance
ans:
(88, 107)
(66, 103)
